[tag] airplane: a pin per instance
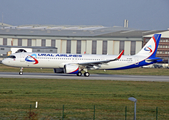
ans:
(76, 63)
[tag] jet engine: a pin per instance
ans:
(71, 69)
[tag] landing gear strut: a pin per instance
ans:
(21, 71)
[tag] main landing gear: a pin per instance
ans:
(21, 71)
(86, 74)
(79, 74)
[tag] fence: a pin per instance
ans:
(95, 112)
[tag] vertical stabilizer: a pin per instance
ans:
(150, 48)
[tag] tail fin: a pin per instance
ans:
(150, 48)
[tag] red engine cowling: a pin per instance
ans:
(71, 69)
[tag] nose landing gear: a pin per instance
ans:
(21, 71)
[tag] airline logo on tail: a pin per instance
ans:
(148, 48)
(32, 58)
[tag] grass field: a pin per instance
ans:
(79, 98)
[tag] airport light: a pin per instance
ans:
(134, 100)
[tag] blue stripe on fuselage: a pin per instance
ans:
(142, 63)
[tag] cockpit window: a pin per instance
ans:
(11, 56)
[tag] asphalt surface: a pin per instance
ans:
(91, 77)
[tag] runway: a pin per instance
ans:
(91, 77)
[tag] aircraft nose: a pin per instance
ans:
(4, 61)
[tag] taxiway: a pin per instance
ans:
(92, 76)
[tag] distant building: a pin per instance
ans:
(77, 39)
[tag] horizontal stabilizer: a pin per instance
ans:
(154, 59)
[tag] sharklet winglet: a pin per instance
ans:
(120, 54)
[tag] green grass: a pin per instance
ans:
(134, 71)
(79, 98)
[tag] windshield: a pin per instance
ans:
(11, 56)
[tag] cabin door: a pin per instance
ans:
(22, 57)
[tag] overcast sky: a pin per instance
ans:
(141, 14)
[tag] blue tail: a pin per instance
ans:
(150, 49)
(153, 57)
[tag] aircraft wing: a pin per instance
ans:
(101, 62)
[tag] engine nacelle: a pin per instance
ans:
(71, 69)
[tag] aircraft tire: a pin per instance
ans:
(20, 73)
(86, 74)
(79, 74)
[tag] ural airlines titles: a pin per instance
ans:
(60, 55)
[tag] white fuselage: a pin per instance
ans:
(50, 60)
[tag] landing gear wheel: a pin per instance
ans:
(20, 73)
(86, 74)
(79, 74)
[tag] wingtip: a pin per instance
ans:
(120, 54)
